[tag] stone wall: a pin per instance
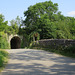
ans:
(10, 37)
(54, 42)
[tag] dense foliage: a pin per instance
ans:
(3, 58)
(42, 21)
(45, 19)
(3, 36)
(6, 30)
(3, 41)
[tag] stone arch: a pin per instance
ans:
(15, 42)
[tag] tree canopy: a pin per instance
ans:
(3, 24)
(42, 21)
(6, 30)
(45, 19)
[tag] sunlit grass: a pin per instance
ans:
(3, 58)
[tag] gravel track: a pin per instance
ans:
(38, 62)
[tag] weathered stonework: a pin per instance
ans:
(54, 42)
(15, 43)
(11, 36)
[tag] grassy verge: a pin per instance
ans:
(3, 58)
(66, 51)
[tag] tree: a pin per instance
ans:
(38, 18)
(62, 30)
(18, 21)
(3, 24)
(71, 23)
(15, 24)
(45, 19)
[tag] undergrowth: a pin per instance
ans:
(3, 58)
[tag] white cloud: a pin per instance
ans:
(72, 13)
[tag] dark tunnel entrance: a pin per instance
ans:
(15, 43)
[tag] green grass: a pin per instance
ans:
(66, 51)
(3, 58)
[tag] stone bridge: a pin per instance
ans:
(15, 41)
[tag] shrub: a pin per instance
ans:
(3, 58)
(70, 49)
(4, 53)
(3, 41)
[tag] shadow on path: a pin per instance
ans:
(38, 62)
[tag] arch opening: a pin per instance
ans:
(15, 42)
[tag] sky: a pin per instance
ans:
(13, 8)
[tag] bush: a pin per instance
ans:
(3, 41)
(4, 53)
(3, 58)
(70, 49)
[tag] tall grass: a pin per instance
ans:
(3, 58)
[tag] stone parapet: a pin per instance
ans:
(54, 42)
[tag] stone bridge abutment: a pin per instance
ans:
(15, 41)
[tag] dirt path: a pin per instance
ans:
(38, 62)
